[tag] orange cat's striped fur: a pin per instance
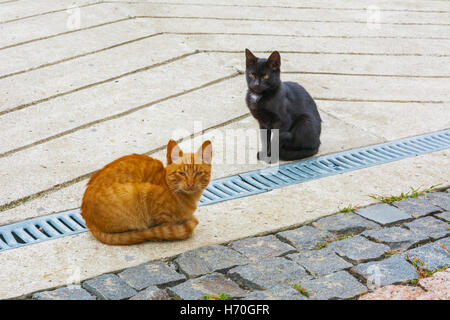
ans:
(134, 198)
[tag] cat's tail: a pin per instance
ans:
(163, 232)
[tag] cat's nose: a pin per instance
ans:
(190, 185)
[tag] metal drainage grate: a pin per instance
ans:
(41, 229)
(314, 168)
(242, 185)
(229, 188)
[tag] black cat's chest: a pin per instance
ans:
(261, 108)
(266, 118)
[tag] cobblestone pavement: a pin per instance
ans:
(382, 251)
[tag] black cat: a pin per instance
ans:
(281, 105)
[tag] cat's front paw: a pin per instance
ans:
(262, 156)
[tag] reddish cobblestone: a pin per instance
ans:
(394, 292)
(435, 287)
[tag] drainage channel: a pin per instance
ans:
(70, 222)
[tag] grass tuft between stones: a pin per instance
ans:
(421, 271)
(413, 193)
(220, 296)
(299, 288)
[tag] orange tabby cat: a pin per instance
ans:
(134, 198)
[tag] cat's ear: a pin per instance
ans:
(173, 152)
(250, 58)
(205, 152)
(274, 61)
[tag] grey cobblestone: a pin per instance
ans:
(339, 285)
(268, 273)
(429, 226)
(383, 214)
(440, 199)
(209, 259)
(109, 287)
(304, 238)
(259, 248)
(444, 215)
(152, 273)
(444, 242)
(151, 293)
(416, 207)
(358, 249)
(320, 262)
(344, 224)
(432, 255)
(392, 270)
(210, 284)
(276, 293)
(396, 237)
(66, 293)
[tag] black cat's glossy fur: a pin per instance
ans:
(281, 105)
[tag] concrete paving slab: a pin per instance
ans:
(51, 50)
(341, 5)
(61, 200)
(364, 88)
(434, 47)
(284, 14)
(39, 27)
(295, 205)
(106, 67)
(39, 85)
(71, 81)
(391, 120)
(124, 96)
(401, 66)
(109, 64)
(327, 29)
(23, 9)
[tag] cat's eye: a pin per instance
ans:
(198, 173)
(252, 76)
(266, 76)
(181, 173)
